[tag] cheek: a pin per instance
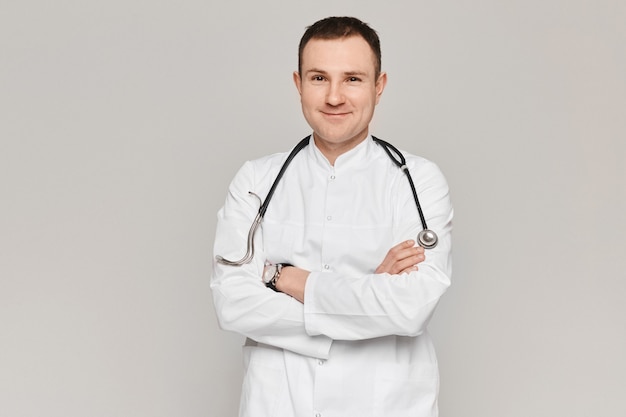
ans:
(308, 109)
(311, 95)
(364, 100)
(305, 100)
(372, 102)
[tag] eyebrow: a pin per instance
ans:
(347, 73)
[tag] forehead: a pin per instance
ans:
(343, 54)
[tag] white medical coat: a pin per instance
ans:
(358, 346)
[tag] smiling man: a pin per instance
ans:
(336, 297)
(340, 85)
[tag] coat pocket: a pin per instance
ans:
(264, 381)
(406, 390)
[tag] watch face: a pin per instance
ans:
(269, 273)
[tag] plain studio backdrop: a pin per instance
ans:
(122, 123)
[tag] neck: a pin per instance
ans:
(333, 150)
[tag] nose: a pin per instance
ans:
(335, 94)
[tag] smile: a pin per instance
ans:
(335, 114)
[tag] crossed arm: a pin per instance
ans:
(402, 258)
(359, 302)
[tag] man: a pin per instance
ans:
(339, 328)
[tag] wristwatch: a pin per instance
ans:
(272, 273)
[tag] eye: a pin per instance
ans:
(317, 78)
(354, 79)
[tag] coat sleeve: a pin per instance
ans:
(374, 305)
(242, 302)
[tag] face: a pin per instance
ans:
(338, 91)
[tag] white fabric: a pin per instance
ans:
(358, 346)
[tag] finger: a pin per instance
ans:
(407, 244)
(407, 263)
(408, 270)
(406, 253)
(414, 259)
(414, 253)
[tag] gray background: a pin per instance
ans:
(122, 122)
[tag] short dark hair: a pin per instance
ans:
(341, 27)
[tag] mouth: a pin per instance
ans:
(335, 114)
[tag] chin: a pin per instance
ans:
(336, 136)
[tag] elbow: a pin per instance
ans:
(229, 317)
(244, 313)
(416, 322)
(225, 321)
(413, 317)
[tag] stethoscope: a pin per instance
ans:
(426, 238)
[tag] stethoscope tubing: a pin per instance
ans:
(426, 238)
(301, 145)
(401, 163)
(249, 255)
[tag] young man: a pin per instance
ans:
(337, 297)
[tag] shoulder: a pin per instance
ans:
(426, 173)
(417, 165)
(267, 162)
(271, 163)
(420, 164)
(254, 172)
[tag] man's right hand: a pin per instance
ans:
(402, 258)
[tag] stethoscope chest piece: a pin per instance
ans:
(427, 239)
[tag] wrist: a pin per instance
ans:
(293, 282)
(272, 273)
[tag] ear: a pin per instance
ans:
(381, 82)
(297, 81)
